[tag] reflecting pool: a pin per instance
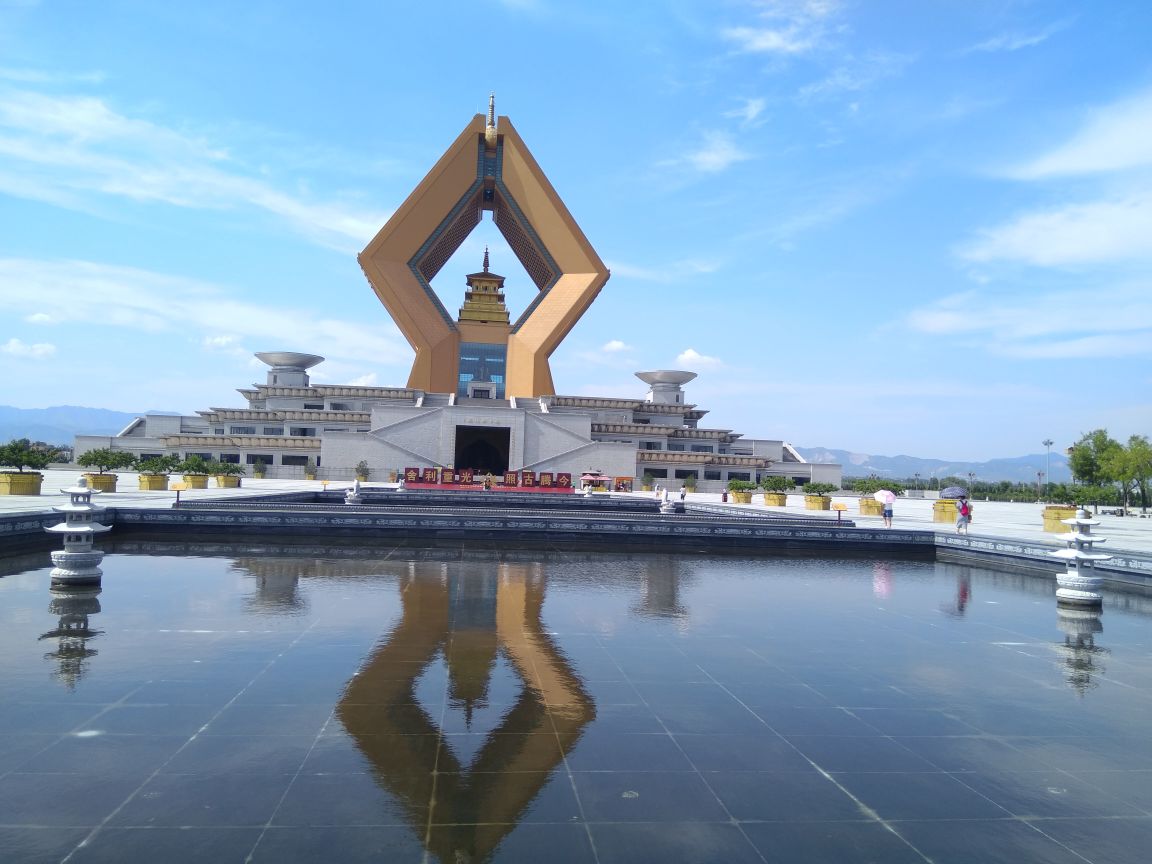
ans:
(399, 705)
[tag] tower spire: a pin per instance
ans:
(490, 129)
(485, 259)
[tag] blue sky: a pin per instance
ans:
(919, 227)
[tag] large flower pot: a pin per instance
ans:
(196, 481)
(817, 502)
(21, 483)
(944, 510)
(102, 482)
(871, 507)
(776, 499)
(741, 497)
(227, 481)
(154, 482)
(1053, 513)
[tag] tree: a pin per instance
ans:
(20, 453)
(106, 459)
(1129, 466)
(1088, 455)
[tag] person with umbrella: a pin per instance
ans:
(887, 498)
(963, 507)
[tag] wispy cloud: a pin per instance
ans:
(691, 357)
(1094, 232)
(1114, 138)
(368, 380)
(671, 273)
(76, 151)
(749, 113)
(37, 351)
(125, 298)
(1056, 324)
(615, 346)
(856, 74)
(717, 153)
(785, 27)
(39, 318)
(1016, 41)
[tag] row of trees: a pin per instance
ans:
(1097, 460)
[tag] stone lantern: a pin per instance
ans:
(78, 563)
(1079, 585)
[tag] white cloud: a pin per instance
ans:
(17, 348)
(39, 318)
(692, 357)
(717, 153)
(1114, 138)
(1117, 322)
(786, 27)
(1094, 232)
(615, 347)
(75, 151)
(127, 298)
(1016, 41)
(368, 380)
(749, 112)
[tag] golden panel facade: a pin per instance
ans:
(488, 167)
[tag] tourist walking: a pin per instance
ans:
(887, 514)
(963, 515)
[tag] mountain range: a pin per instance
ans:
(1017, 469)
(59, 425)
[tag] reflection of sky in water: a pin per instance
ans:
(479, 709)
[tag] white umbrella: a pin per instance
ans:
(884, 496)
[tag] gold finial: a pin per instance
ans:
(485, 259)
(490, 129)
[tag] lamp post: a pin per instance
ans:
(1039, 481)
(917, 476)
(1047, 442)
(971, 478)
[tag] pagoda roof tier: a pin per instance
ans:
(246, 442)
(664, 431)
(81, 528)
(675, 456)
(268, 414)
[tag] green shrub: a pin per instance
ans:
(106, 459)
(818, 488)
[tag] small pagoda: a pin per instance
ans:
(78, 563)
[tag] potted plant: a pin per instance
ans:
(227, 474)
(817, 497)
(154, 472)
(776, 488)
(259, 469)
(20, 453)
(646, 482)
(310, 468)
(363, 472)
(195, 470)
(740, 491)
(105, 459)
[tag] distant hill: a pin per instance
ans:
(1018, 469)
(59, 425)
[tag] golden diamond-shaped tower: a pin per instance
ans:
(488, 167)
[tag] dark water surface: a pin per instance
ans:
(423, 707)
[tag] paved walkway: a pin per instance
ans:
(990, 519)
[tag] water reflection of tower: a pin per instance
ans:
(467, 614)
(74, 606)
(1079, 651)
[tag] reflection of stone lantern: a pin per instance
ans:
(74, 606)
(78, 563)
(1079, 585)
(1080, 652)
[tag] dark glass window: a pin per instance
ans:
(480, 361)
